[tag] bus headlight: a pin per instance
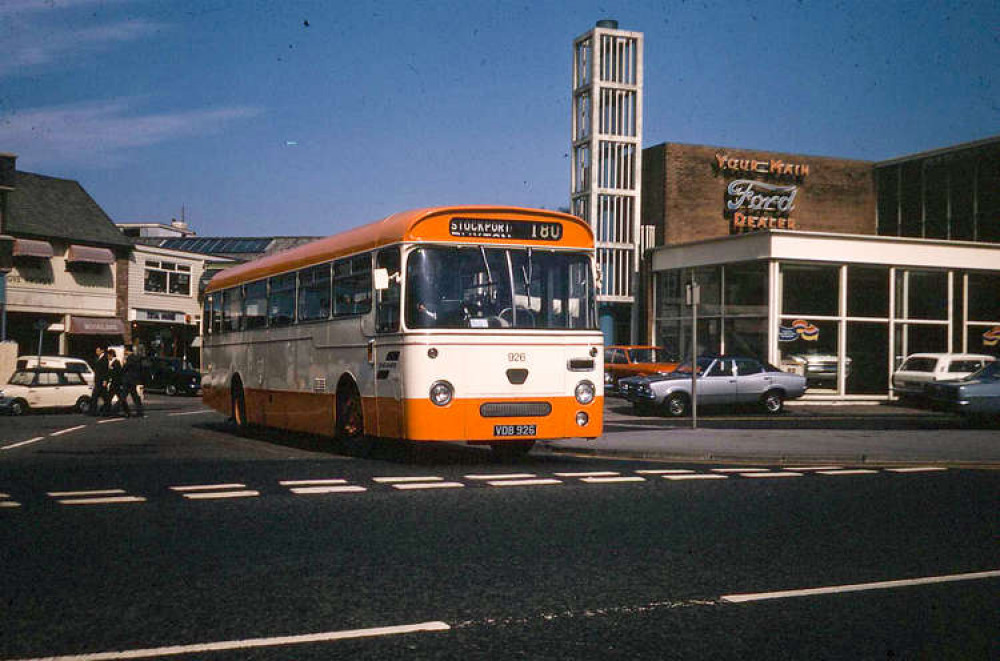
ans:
(441, 393)
(585, 392)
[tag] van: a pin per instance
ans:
(919, 369)
(67, 363)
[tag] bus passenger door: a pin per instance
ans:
(386, 348)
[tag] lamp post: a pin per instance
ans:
(693, 295)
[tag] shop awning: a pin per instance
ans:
(32, 248)
(89, 255)
(96, 326)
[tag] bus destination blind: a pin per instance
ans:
(483, 228)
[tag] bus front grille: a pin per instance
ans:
(515, 409)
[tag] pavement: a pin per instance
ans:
(855, 434)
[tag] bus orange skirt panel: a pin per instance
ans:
(413, 419)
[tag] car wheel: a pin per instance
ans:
(171, 389)
(677, 405)
(83, 405)
(18, 407)
(773, 401)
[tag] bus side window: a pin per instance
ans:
(387, 309)
(206, 317)
(281, 301)
(217, 312)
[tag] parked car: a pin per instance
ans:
(820, 369)
(976, 394)
(634, 360)
(920, 369)
(721, 380)
(68, 363)
(44, 388)
(174, 376)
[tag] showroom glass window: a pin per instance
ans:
(809, 289)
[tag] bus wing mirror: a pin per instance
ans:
(381, 279)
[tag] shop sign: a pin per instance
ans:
(774, 167)
(991, 338)
(157, 315)
(799, 330)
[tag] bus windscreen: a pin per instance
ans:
(479, 287)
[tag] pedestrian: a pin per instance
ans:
(100, 391)
(114, 384)
(131, 379)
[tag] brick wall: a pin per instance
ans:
(686, 189)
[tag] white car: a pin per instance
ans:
(42, 388)
(919, 369)
(69, 363)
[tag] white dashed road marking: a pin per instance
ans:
(66, 431)
(305, 491)
(612, 480)
(251, 643)
(696, 476)
(917, 469)
(781, 474)
(812, 468)
(213, 491)
(588, 474)
(303, 483)
(207, 487)
(665, 471)
(508, 476)
(740, 470)
(857, 587)
(403, 480)
(849, 471)
(209, 495)
(523, 483)
(27, 442)
(409, 486)
(95, 497)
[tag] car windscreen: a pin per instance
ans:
(918, 364)
(649, 356)
(22, 379)
(479, 287)
(991, 371)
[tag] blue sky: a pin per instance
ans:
(285, 118)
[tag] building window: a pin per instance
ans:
(810, 289)
(167, 278)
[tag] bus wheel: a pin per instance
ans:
(239, 403)
(511, 449)
(350, 428)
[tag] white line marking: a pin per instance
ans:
(397, 480)
(208, 487)
(17, 445)
(66, 431)
(4, 495)
(250, 643)
(101, 501)
(857, 587)
(782, 474)
(190, 413)
(303, 483)
(104, 422)
(9, 504)
(522, 483)
(740, 470)
(610, 480)
(697, 476)
(849, 471)
(917, 469)
(666, 471)
(590, 474)
(509, 476)
(315, 490)
(813, 468)
(221, 494)
(97, 492)
(429, 485)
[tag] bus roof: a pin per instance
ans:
(430, 224)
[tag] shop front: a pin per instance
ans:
(843, 310)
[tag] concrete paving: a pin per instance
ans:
(807, 433)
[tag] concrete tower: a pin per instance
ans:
(606, 182)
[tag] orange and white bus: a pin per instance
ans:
(465, 323)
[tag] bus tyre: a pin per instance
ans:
(350, 428)
(677, 405)
(511, 449)
(773, 402)
(239, 405)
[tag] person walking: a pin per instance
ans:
(131, 379)
(115, 384)
(100, 391)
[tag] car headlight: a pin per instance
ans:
(442, 393)
(585, 392)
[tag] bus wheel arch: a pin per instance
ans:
(349, 427)
(238, 403)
